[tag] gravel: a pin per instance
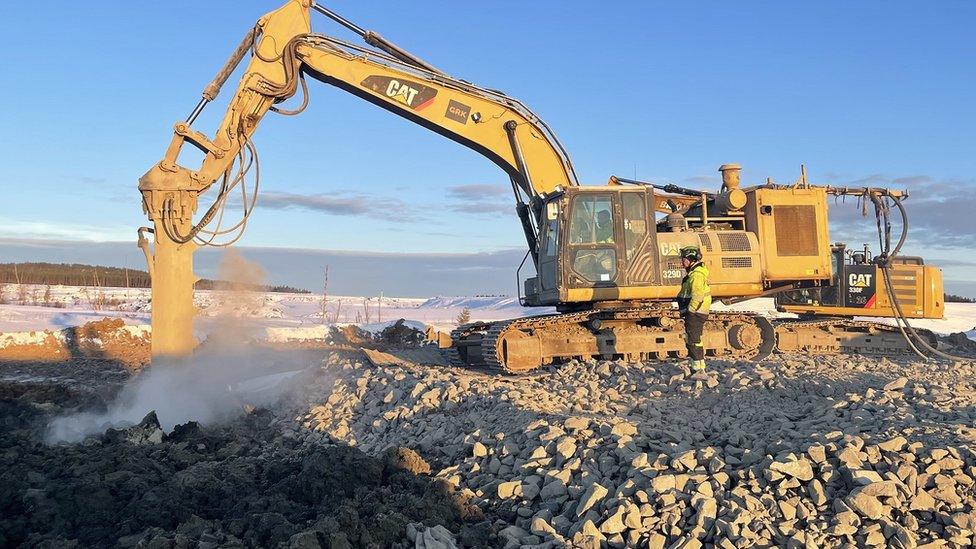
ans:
(796, 451)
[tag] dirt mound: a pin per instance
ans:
(243, 484)
(397, 335)
(960, 342)
(38, 346)
(108, 338)
(402, 336)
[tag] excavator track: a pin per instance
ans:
(842, 335)
(655, 333)
(644, 333)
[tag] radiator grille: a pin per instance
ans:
(705, 241)
(903, 282)
(907, 300)
(736, 262)
(734, 242)
(796, 230)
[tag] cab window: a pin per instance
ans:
(596, 264)
(635, 221)
(552, 229)
(592, 220)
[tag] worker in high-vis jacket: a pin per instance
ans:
(694, 301)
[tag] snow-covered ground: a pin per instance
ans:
(959, 317)
(285, 316)
(282, 316)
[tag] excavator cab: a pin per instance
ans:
(590, 238)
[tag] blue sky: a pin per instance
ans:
(865, 91)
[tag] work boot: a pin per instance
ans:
(698, 370)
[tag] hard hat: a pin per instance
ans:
(690, 252)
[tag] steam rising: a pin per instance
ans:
(224, 375)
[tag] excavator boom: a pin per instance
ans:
(283, 51)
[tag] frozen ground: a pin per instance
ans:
(74, 306)
(285, 317)
(796, 451)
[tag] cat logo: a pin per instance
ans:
(401, 92)
(410, 94)
(670, 248)
(859, 280)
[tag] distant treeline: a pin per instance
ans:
(953, 298)
(75, 274)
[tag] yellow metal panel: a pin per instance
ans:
(917, 288)
(742, 264)
(781, 252)
(583, 295)
(933, 294)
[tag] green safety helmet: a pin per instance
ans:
(690, 252)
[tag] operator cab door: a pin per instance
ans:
(591, 258)
(549, 247)
(640, 251)
(609, 239)
(832, 295)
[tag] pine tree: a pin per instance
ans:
(464, 316)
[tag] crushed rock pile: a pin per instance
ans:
(795, 452)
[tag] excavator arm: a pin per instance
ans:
(283, 50)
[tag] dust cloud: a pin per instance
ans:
(226, 374)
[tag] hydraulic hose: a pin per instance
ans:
(885, 265)
(879, 211)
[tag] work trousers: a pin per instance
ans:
(694, 326)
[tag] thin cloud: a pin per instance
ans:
(482, 199)
(341, 204)
(950, 262)
(478, 191)
(703, 179)
(867, 180)
(492, 209)
(912, 180)
(21, 229)
(939, 210)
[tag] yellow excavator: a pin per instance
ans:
(605, 256)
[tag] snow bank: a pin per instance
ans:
(33, 338)
(959, 317)
(317, 332)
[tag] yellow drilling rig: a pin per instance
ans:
(605, 256)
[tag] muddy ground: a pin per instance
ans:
(241, 484)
